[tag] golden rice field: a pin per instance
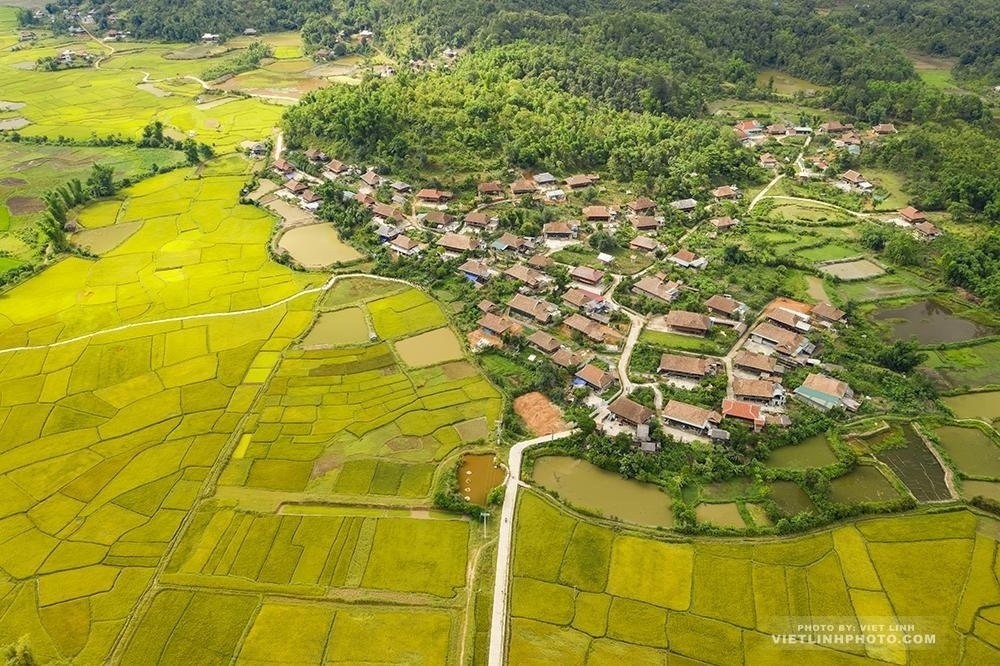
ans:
(584, 594)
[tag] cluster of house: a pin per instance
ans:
(912, 218)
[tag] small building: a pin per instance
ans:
(737, 409)
(647, 223)
(644, 244)
(544, 342)
(689, 367)
(316, 156)
(371, 179)
(587, 275)
(509, 242)
(540, 261)
(404, 245)
(834, 127)
(769, 161)
(310, 200)
(458, 243)
(597, 213)
(541, 311)
(492, 324)
(399, 187)
(852, 180)
(555, 195)
(528, 276)
(544, 179)
(481, 220)
(283, 167)
(726, 306)
(336, 167)
(582, 299)
(296, 187)
(656, 286)
(485, 306)
(631, 412)
(724, 223)
(825, 393)
(491, 189)
(475, 271)
(688, 259)
(726, 192)
(927, 230)
(581, 181)
(434, 196)
(523, 186)
(911, 215)
(793, 321)
(594, 377)
(683, 321)
(783, 341)
(559, 230)
(690, 417)
(439, 220)
(386, 213)
(760, 391)
(567, 358)
(684, 205)
(749, 127)
(588, 327)
(760, 364)
(827, 313)
(386, 232)
(884, 128)
(642, 205)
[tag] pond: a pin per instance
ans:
(478, 475)
(813, 452)
(341, 327)
(971, 450)
(984, 405)
(790, 498)
(430, 348)
(862, 484)
(104, 239)
(317, 246)
(917, 467)
(990, 489)
(931, 323)
(723, 515)
(594, 489)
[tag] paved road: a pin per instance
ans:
(501, 586)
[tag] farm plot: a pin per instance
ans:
(582, 593)
(196, 251)
(316, 555)
(862, 269)
(970, 367)
(205, 627)
(105, 445)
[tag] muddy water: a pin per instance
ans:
(917, 467)
(477, 476)
(862, 484)
(971, 450)
(790, 498)
(984, 405)
(931, 323)
(592, 488)
(343, 327)
(813, 452)
(430, 348)
(317, 246)
(104, 239)
(723, 515)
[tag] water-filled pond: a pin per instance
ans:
(589, 487)
(931, 323)
(813, 452)
(971, 450)
(862, 484)
(790, 498)
(478, 474)
(317, 246)
(990, 489)
(342, 327)
(916, 467)
(984, 405)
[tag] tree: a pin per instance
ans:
(602, 241)
(101, 182)
(18, 654)
(901, 356)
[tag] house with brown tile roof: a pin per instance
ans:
(580, 181)
(927, 230)
(688, 322)
(386, 213)
(437, 219)
(371, 179)
(646, 223)
(656, 287)
(828, 313)
(793, 321)
(824, 392)
(541, 311)
(528, 276)
(630, 411)
(431, 195)
(458, 243)
(588, 327)
(540, 261)
(587, 275)
(912, 215)
(724, 223)
(493, 324)
(475, 271)
(784, 341)
(567, 358)
(759, 390)
(727, 192)
(688, 259)
(596, 378)
(480, 220)
(756, 363)
(336, 167)
(523, 186)
(544, 342)
(644, 244)
(642, 205)
(490, 189)
(296, 187)
(693, 367)
(404, 245)
(559, 231)
(596, 213)
(690, 417)
(746, 411)
(726, 306)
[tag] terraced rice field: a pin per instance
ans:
(584, 594)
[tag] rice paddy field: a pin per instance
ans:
(586, 594)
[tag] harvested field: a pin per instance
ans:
(14, 123)
(153, 90)
(539, 413)
(861, 269)
(104, 239)
(25, 205)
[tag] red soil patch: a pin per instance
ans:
(25, 205)
(539, 413)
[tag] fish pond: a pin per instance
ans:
(317, 246)
(984, 405)
(812, 452)
(931, 323)
(990, 489)
(723, 515)
(478, 474)
(972, 451)
(341, 327)
(790, 498)
(864, 483)
(593, 489)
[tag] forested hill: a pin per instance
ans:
(188, 20)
